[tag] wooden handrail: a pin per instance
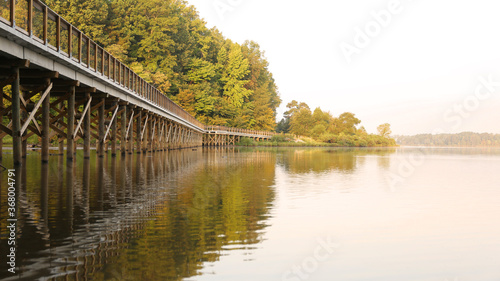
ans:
(110, 67)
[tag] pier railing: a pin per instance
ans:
(237, 131)
(37, 21)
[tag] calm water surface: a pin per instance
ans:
(259, 214)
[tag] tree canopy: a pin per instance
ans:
(323, 126)
(218, 81)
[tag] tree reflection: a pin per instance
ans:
(143, 218)
(321, 160)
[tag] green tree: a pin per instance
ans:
(384, 130)
(301, 121)
(346, 123)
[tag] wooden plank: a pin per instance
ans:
(35, 73)
(144, 129)
(22, 63)
(32, 114)
(153, 133)
(111, 122)
(84, 113)
(130, 123)
(6, 129)
(97, 106)
(8, 80)
(59, 131)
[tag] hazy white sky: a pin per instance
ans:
(417, 65)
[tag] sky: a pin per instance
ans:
(422, 66)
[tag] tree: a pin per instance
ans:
(169, 45)
(301, 122)
(384, 130)
(283, 126)
(345, 123)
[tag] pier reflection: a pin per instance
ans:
(160, 216)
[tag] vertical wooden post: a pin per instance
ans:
(150, 136)
(123, 129)
(113, 137)
(146, 134)
(16, 119)
(71, 125)
(86, 131)
(24, 117)
(130, 136)
(164, 139)
(138, 134)
(45, 129)
(60, 138)
(100, 143)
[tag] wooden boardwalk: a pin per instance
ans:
(65, 87)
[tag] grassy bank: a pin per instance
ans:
(331, 141)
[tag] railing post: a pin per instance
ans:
(58, 32)
(70, 41)
(45, 26)
(30, 18)
(13, 13)
(95, 55)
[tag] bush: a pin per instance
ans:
(278, 138)
(246, 142)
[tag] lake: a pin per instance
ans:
(258, 214)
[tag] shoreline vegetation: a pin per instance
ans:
(289, 140)
(321, 128)
(217, 80)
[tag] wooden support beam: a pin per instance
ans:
(138, 133)
(8, 81)
(16, 119)
(110, 123)
(31, 73)
(46, 128)
(86, 127)
(101, 129)
(24, 116)
(71, 125)
(113, 125)
(6, 129)
(16, 63)
(32, 114)
(144, 129)
(84, 114)
(123, 125)
(130, 132)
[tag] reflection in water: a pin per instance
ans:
(138, 217)
(253, 214)
(323, 160)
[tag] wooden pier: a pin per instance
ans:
(58, 84)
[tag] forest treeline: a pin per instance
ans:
(322, 126)
(461, 139)
(218, 81)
